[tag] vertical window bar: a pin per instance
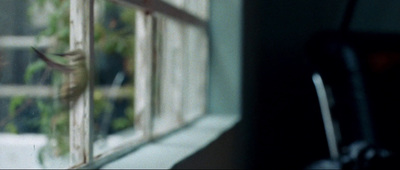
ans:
(143, 73)
(81, 114)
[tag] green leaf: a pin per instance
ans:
(32, 69)
(130, 46)
(41, 3)
(52, 26)
(110, 45)
(44, 116)
(14, 104)
(120, 123)
(57, 79)
(120, 47)
(128, 16)
(63, 34)
(99, 32)
(42, 107)
(10, 127)
(129, 113)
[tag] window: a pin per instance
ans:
(147, 76)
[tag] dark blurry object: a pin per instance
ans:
(361, 79)
(360, 155)
(52, 64)
(361, 72)
(76, 83)
(2, 63)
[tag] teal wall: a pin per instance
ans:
(225, 59)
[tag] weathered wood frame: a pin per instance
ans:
(81, 115)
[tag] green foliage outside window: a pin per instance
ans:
(115, 36)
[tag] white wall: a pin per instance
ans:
(225, 30)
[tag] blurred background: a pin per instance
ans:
(282, 44)
(28, 89)
(263, 55)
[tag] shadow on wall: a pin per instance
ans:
(224, 153)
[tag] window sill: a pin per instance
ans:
(162, 153)
(169, 150)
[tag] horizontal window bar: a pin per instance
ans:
(130, 146)
(113, 154)
(24, 42)
(165, 9)
(48, 91)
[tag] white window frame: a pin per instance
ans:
(81, 37)
(81, 116)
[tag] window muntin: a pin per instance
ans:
(170, 80)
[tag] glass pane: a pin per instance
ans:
(169, 73)
(181, 57)
(33, 122)
(114, 73)
(196, 61)
(180, 70)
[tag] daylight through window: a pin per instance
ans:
(126, 72)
